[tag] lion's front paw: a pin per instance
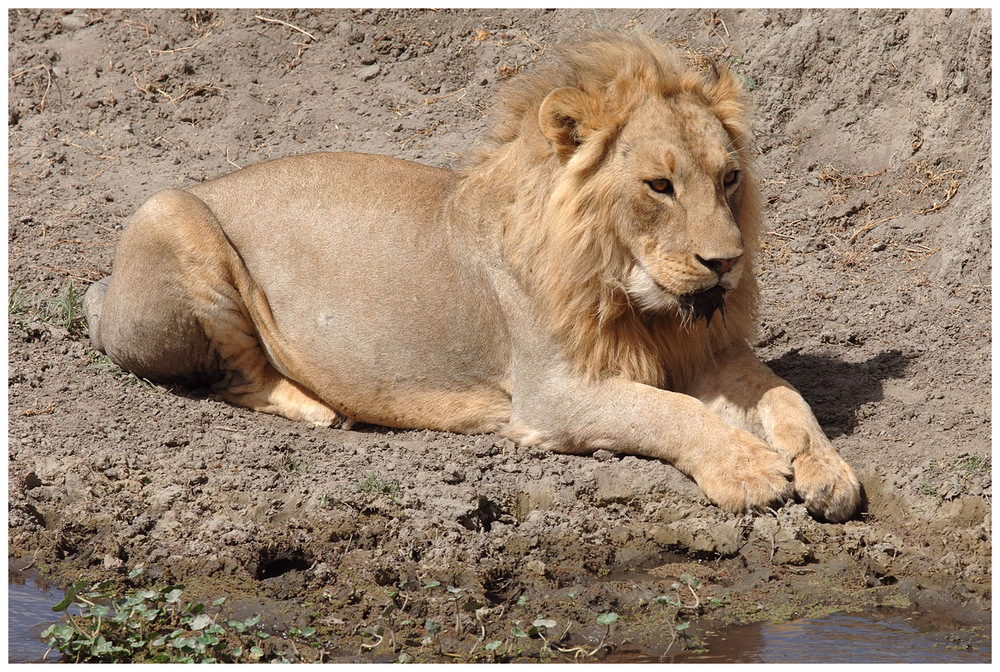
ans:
(745, 474)
(827, 485)
(824, 482)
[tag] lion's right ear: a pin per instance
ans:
(563, 117)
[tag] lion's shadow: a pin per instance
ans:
(836, 389)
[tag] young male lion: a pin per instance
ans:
(587, 283)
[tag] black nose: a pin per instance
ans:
(720, 266)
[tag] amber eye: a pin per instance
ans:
(661, 186)
(731, 179)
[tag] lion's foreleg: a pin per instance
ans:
(745, 393)
(734, 468)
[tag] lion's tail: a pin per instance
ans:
(93, 301)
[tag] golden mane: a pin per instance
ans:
(559, 235)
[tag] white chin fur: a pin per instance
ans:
(646, 293)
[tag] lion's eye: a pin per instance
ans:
(662, 186)
(731, 178)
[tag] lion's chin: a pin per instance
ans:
(704, 304)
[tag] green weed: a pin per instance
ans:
(69, 310)
(15, 300)
(103, 363)
(600, 24)
(157, 626)
(738, 65)
(974, 464)
(64, 312)
(677, 603)
(374, 485)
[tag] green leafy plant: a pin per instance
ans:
(605, 619)
(156, 626)
(676, 604)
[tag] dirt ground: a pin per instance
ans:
(873, 132)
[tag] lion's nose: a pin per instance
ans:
(720, 266)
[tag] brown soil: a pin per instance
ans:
(873, 129)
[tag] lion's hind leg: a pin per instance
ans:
(251, 381)
(173, 311)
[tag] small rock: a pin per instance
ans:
(535, 496)
(364, 74)
(619, 535)
(73, 21)
(323, 571)
(32, 481)
(536, 567)
(453, 475)
(699, 536)
(960, 82)
(789, 549)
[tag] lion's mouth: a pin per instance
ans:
(703, 304)
(652, 295)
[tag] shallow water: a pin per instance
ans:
(840, 638)
(29, 611)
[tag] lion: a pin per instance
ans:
(585, 282)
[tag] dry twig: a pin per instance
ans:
(285, 23)
(434, 99)
(174, 51)
(48, 84)
(711, 25)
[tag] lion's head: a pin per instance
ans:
(635, 212)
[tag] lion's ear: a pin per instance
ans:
(562, 118)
